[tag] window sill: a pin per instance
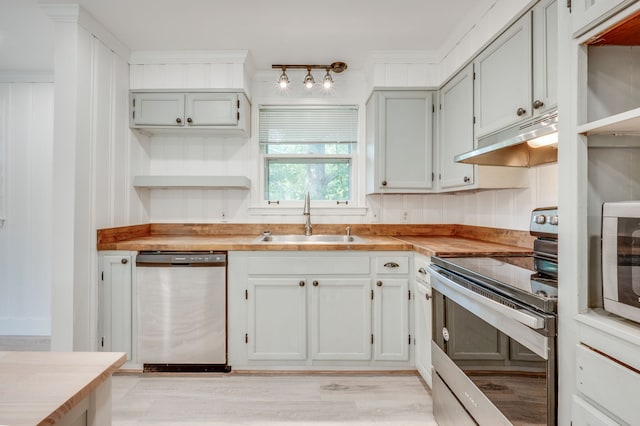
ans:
(315, 211)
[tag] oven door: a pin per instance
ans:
(498, 358)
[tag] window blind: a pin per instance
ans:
(289, 125)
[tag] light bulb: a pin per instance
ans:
(308, 80)
(283, 81)
(543, 140)
(328, 81)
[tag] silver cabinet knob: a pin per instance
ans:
(521, 112)
(384, 183)
(178, 120)
(445, 334)
(301, 283)
(467, 179)
(124, 261)
(379, 283)
(189, 120)
(315, 283)
(427, 296)
(537, 104)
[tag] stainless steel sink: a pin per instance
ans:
(318, 239)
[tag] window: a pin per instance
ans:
(308, 148)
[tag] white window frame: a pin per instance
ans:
(322, 207)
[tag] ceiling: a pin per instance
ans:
(274, 31)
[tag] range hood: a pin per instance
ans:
(509, 147)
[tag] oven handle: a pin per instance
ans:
(531, 321)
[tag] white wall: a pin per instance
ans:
(26, 138)
(93, 159)
(509, 208)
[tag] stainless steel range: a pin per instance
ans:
(494, 334)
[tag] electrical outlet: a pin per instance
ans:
(223, 217)
(375, 215)
(405, 216)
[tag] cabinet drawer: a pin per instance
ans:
(583, 414)
(607, 383)
(420, 268)
(293, 265)
(391, 265)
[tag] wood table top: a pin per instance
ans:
(40, 388)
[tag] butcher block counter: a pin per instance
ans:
(46, 388)
(430, 240)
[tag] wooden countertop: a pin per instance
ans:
(430, 240)
(40, 388)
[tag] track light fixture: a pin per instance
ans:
(309, 81)
(283, 81)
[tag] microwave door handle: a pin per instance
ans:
(531, 321)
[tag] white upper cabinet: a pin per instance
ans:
(545, 56)
(585, 14)
(456, 130)
(399, 141)
(503, 79)
(207, 111)
(212, 109)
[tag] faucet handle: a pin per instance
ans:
(348, 230)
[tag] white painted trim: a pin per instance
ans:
(74, 13)
(146, 57)
(316, 211)
(66, 13)
(403, 57)
(44, 76)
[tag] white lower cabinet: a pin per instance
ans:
(115, 298)
(325, 309)
(422, 318)
(340, 319)
(277, 322)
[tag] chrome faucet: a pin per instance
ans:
(307, 213)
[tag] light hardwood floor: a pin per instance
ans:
(278, 399)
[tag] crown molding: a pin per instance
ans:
(146, 57)
(74, 13)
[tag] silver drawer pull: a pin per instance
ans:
(422, 271)
(391, 265)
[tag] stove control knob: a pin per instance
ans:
(553, 220)
(540, 219)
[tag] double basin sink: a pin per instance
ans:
(317, 239)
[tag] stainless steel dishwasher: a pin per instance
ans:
(181, 302)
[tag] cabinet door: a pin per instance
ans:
(503, 79)
(422, 338)
(277, 328)
(406, 145)
(211, 109)
(115, 304)
(456, 130)
(340, 319)
(158, 109)
(391, 319)
(587, 12)
(545, 56)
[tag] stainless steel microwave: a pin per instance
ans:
(621, 258)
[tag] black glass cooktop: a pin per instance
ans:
(513, 276)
